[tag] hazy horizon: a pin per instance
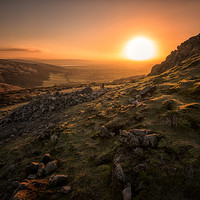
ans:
(91, 29)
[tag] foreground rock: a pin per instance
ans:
(127, 193)
(30, 189)
(138, 138)
(58, 180)
(50, 167)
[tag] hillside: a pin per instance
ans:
(134, 140)
(26, 74)
(190, 47)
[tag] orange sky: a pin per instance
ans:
(92, 29)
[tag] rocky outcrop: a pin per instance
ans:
(138, 138)
(44, 105)
(184, 51)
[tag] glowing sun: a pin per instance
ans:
(140, 48)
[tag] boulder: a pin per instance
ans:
(127, 193)
(128, 139)
(50, 167)
(32, 176)
(41, 168)
(169, 104)
(104, 132)
(131, 100)
(54, 138)
(150, 141)
(30, 190)
(58, 180)
(138, 152)
(119, 174)
(65, 189)
(146, 90)
(47, 158)
(32, 168)
(86, 90)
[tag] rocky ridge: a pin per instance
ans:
(187, 49)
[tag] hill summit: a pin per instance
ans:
(190, 47)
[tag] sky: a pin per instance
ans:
(93, 29)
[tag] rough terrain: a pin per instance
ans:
(137, 140)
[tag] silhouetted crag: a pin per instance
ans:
(187, 49)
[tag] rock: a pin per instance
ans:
(138, 97)
(185, 50)
(127, 193)
(54, 138)
(146, 90)
(65, 189)
(33, 168)
(132, 100)
(47, 158)
(86, 90)
(169, 104)
(58, 180)
(30, 190)
(112, 134)
(139, 152)
(150, 141)
(104, 132)
(119, 174)
(50, 167)
(128, 139)
(40, 171)
(32, 176)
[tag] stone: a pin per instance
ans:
(32, 176)
(33, 168)
(112, 134)
(139, 152)
(50, 167)
(127, 193)
(169, 104)
(86, 90)
(128, 139)
(66, 189)
(146, 90)
(47, 158)
(138, 96)
(104, 131)
(31, 190)
(150, 141)
(131, 100)
(54, 138)
(119, 174)
(40, 171)
(58, 180)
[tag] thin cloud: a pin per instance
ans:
(22, 50)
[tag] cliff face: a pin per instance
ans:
(187, 49)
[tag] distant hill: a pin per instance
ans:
(190, 47)
(26, 74)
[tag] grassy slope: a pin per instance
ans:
(87, 158)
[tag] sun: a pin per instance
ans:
(140, 48)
